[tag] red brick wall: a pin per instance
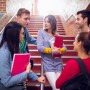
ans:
(70, 27)
(3, 6)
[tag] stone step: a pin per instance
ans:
(65, 37)
(39, 24)
(38, 88)
(37, 68)
(59, 24)
(34, 47)
(37, 29)
(37, 84)
(35, 26)
(37, 59)
(37, 53)
(69, 42)
(35, 33)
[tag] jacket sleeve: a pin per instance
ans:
(32, 76)
(44, 49)
(29, 38)
(5, 70)
(40, 41)
(49, 50)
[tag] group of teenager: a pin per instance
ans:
(15, 39)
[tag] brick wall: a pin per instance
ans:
(70, 27)
(3, 6)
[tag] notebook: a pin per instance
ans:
(58, 42)
(19, 63)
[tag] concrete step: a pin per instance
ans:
(35, 33)
(36, 22)
(37, 26)
(36, 29)
(37, 53)
(36, 84)
(30, 26)
(65, 58)
(37, 68)
(38, 59)
(38, 88)
(59, 25)
(65, 37)
(68, 46)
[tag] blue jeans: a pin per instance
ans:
(15, 87)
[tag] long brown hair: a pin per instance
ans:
(53, 23)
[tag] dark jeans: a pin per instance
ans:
(15, 87)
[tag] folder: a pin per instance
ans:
(19, 63)
(58, 42)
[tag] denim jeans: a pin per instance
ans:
(15, 87)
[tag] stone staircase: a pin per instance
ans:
(36, 23)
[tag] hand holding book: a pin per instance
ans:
(55, 50)
(20, 63)
(56, 45)
(28, 68)
(62, 50)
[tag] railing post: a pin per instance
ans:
(42, 73)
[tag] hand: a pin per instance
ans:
(41, 79)
(28, 68)
(62, 50)
(56, 50)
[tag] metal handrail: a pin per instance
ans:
(70, 17)
(8, 22)
(1, 32)
(2, 16)
(42, 73)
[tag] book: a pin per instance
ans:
(58, 42)
(19, 63)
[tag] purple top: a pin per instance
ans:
(49, 63)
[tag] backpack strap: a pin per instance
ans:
(83, 69)
(81, 65)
